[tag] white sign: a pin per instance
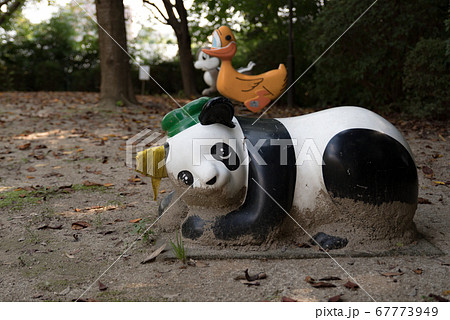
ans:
(144, 73)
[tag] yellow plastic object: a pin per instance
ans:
(150, 162)
(255, 91)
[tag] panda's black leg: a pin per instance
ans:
(193, 227)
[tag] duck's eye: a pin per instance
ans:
(186, 177)
(225, 154)
(228, 37)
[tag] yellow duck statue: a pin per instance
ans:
(255, 91)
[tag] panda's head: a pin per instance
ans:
(208, 157)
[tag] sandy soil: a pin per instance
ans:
(62, 161)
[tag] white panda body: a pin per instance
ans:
(311, 134)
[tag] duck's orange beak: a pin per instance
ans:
(226, 53)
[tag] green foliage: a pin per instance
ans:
(426, 79)
(178, 248)
(17, 199)
(52, 55)
(365, 66)
(140, 229)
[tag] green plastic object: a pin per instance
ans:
(182, 118)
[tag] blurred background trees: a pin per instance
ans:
(395, 58)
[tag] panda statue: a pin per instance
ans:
(344, 171)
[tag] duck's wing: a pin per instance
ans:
(249, 84)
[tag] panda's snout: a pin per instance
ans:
(212, 181)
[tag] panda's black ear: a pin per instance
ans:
(217, 110)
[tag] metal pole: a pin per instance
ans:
(290, 62)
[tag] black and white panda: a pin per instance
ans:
(341, 170)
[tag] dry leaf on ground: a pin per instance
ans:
(101, 286)
(154, 254)
(350, 285)
(330, 278)
(322, 284)
(336, 298)
(24, 146)
(88, 183)
(287, 299)
(80, 225)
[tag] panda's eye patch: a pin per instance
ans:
(186, 177)
(225, 154)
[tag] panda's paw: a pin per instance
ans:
(328, 242)
(193, 227)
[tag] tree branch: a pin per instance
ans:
(160, 12)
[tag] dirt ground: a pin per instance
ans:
(70, 207)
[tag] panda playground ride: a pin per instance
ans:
(345, 171)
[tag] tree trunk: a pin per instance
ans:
(115, 82)
(184, 49)
(180, 27)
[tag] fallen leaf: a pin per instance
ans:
(31, 169)
(287, 299)
(30, 177)
(249, 277)
(135, 220)
(70, 256)
(438, 298)
(427, 170)
(24, 146)
(446, 292)
(391, 274)
(250, 283)
(88, 183)
(80, 225)
(101, 286)
(106, 232)
(336, 298)
(37, 296)
(439, 182)
(154, 254)
(108, 185)
(309, 279)
(134, 179)
(322, 284)
(423, 201)
(330, 278)
(441, 137)
(40, 146)
(303, 245)
(350, 285)
(39, 156)
(418, 271)
(53, 174)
